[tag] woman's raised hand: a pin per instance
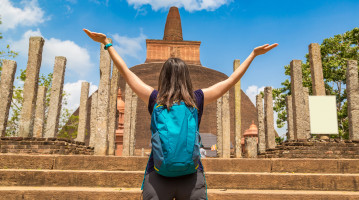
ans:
(97, 37)
(263, 49)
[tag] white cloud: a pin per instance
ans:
(30, 15)
(189, 5)
(252, 91)
(130, 47)
(78, 58)
(74, 91)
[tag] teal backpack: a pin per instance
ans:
(175, 140)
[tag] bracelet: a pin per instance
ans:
(107, 46)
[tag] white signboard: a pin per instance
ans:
(323, 115)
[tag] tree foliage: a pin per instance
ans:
(335, 52)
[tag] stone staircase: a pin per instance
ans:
(108, 177)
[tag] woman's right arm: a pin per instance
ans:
(137, 85)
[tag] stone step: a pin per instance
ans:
(114, 163)
(89, 193)
(215, 180)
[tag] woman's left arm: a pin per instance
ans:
(215, 91)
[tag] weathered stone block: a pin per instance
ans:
(250, 144)
(261, 126)
(353, 99)
(290, 133)
(53, 116)
(115, 84)
(298, 102)
(219, 128)
(226, 145)
(93, 119)
(133, 123)
(101, 145)
(30, 86)
(316, 69)
(237, 114)
(6, 88)
(269, 118)
(81, 131)
(40, 112)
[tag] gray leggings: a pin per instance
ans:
(157, 187)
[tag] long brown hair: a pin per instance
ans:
(174, 84)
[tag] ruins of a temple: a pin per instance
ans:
(173, 45)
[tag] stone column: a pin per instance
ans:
(40, 112)
(226, 126)
(268, 119)
(133, 123)
(261, 127)
(6, 88)
(93, 119)
(316, 70)
(298, 103)
(53, 117)
(81, 131)
(353, 99)
(219, 128)
(30, 86)
(290, 134)
(115, 84)
(101, 145)
(250, 144)
(306, 112)
(127, 121)
(237, 113)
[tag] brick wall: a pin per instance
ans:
(160, 51)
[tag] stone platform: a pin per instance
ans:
(109, 177)
(33, 145)
(332, 148)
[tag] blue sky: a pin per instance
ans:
(228, 30)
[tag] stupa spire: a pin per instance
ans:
(173, 28)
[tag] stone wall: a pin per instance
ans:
(332, 148)
(33, 145)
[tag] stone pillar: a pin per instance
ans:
(250, 144)
(353, 99)
(93, 119)
(30, 86)
(115, 84)
(40, 112)
(268, 119)
(127, 122)
(101, 145)
(52, 122)
(290, 134)
(298, 103)
(316, 70)
(306, 112)
(226, 126)
(81, 131)
(133, 123)
(219, 128)
(6, 88)
(237, 113)
(261, 127)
